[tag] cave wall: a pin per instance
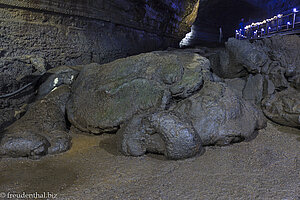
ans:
(37, 35)
(76, 32)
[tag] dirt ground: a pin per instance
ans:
(266, 168)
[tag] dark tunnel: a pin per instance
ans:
(226, 14)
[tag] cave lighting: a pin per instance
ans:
(266, 21)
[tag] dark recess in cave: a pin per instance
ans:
(227, 14)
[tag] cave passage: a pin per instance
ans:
(226, 14)
(98, 102)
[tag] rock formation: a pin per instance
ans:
(39, 35)
(213, 116)
(265, 72)
(166, 102)
(42, 130)
(104, 96)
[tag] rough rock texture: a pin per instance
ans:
(254, 87)
(56, 77)
(223, 64)
(284, 65)
(239, 58)
(105, 96)
(43, 128)
(38, 35)
(246, 55)
(213, 116)
(14, 74)
(283, 107)
(219, 116)
(237, 85)
(268, 65)
(272, 67)
(158, 99)
(163, 133)
(41, 131)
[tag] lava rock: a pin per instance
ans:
(283, 107)
(42, 130)
(269, 87)
(254, 88)
(56, 77)
(221, 117)
(105, 96)
(284, 52)
(237, 85)
(163, 133)
(283, 49)
(247, 55)
(223, 64)
(276, 74)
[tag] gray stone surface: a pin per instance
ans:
(163, 133)
(42, 130)
(223, 64)
(105, 96)
(219, 116)
(246, 55)
(38, 35)
(254, 89)
(284, 53)
(56, 77)
(276, 74)
(269, 86)
(213, 116)
(270, 65)
(283, 107)
(237, 85)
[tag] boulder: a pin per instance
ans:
(284, 52)
(283, 49)
(254, 88)
(283, 107)
(276, 74)
(220, 116)
(237, 85)
(105, 96)
(246, 55)
(269, 87)
(223, 64)
(42, 130)
(55, 77)
(213, 116)
(163, 133)
(239, 58)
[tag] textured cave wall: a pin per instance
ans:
(213, 14)
(36, 35)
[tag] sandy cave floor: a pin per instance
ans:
(266, 168)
